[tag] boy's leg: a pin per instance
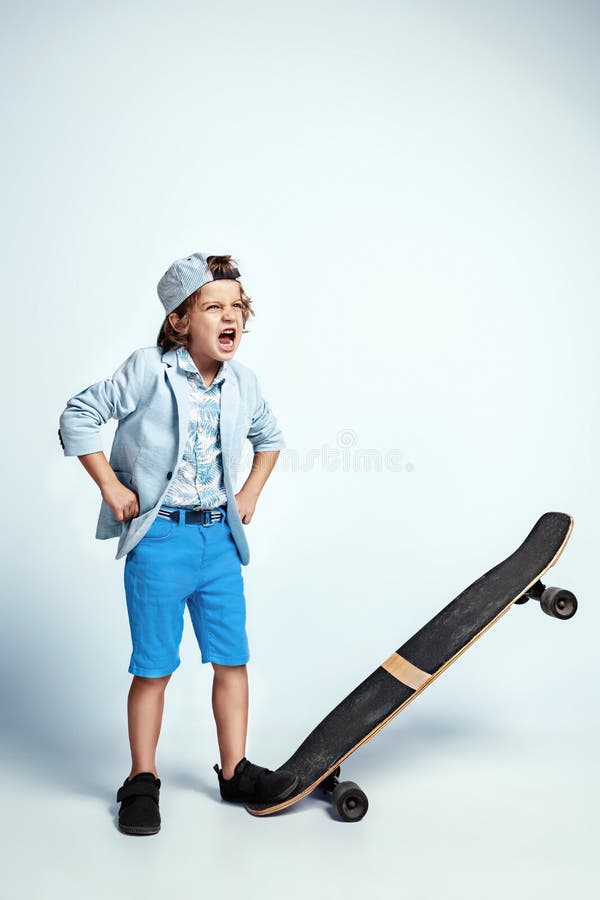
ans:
(139, 793)
(239, 779)
(218, 612)
(145, 704)
(157, 581)
(230, 708)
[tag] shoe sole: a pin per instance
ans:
(288, 791)
(138, 829)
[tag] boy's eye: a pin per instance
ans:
(216, 305)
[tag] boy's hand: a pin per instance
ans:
(246, 504)
(123, 502)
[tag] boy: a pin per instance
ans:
(184, 409)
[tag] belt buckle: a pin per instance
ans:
(210, 516)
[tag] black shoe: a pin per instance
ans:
(139, 804)
(253, 784)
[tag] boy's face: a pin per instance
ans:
(218, 310)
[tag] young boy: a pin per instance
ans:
(184, 408)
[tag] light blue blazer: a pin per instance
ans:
(148, 394)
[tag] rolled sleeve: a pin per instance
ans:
(112, 398)
(264, 433)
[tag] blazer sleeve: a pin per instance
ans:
(112, 398)
(264, 433)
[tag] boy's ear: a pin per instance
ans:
(175, 321)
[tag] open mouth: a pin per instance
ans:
(227, 338)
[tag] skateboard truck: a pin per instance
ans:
(347, 798)
(556, 602)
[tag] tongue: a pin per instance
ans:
(226, 341)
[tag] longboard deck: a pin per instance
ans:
(403, 675)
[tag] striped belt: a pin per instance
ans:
(194, 516)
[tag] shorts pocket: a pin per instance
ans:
(160, 530)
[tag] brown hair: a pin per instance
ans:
(221, 267)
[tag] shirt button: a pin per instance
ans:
(169, 474)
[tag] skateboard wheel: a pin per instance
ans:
(559, 603)
(349, 801)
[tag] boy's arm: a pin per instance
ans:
(87, 411)
(264, 432)
(81, 421)
(267, 440)
(263, 464)
(98, 467)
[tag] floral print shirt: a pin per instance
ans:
(198, 479)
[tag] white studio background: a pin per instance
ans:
(412, 192)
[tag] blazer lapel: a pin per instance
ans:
(230, 403)
(179, 384)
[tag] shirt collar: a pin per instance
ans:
(186, 363)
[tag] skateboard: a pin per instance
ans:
(428, 653)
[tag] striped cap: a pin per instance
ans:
(185, 276)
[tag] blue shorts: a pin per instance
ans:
(175, 564)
